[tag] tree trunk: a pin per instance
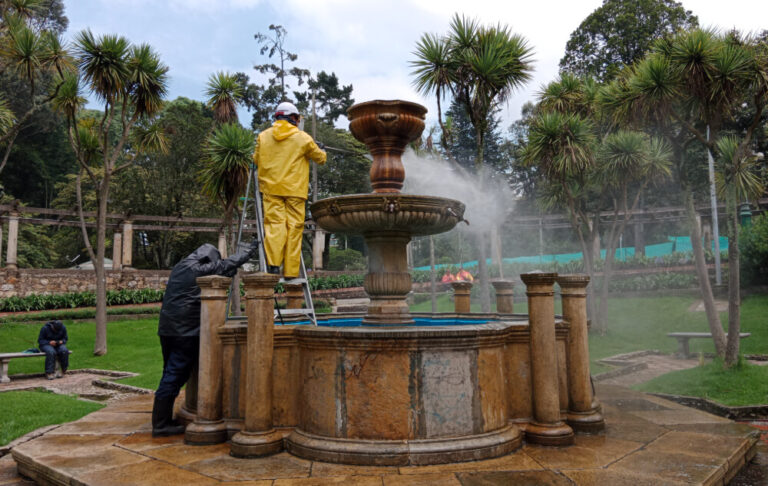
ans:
(713, 319)
(100, 342)
(734, 281)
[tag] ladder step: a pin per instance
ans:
(290, 281)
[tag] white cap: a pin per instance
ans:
(285, 108)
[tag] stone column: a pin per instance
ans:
(117, 251)
(222, 244)
(583, 410)
(127, 231)
(209, 426)
(504, 296)
(547, 428)
(295, 295)
(258, 437)
(13, 241)
(461, 297)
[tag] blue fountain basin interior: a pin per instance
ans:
(358, 321)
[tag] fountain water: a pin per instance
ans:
(389, 391)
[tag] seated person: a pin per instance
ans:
(53, 342)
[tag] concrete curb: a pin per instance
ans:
(110, 385)
(750, 412)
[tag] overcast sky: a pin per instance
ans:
(366, 43)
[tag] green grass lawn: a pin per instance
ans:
(25, 411)
(745, 384)
(132, 345)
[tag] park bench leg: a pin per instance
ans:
(682, 348)
(4, 372)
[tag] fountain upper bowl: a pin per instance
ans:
(368, 213)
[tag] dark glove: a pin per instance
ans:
(321, 145)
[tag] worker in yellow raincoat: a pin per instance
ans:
(282, 156)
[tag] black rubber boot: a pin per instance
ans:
(162, 418)
(274, 270)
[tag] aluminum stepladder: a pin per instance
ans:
(252, 203)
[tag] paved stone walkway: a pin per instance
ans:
(655, 365)
(648, 441)
(78, 382)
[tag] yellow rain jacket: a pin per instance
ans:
(282, 155)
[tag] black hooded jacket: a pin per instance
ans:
(180, 313)
(52, 331)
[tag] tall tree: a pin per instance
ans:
(689, 84)
(485, 65)
(273, 45)
(130, 82)
(331, 99)
(32, 53)
(620, 32)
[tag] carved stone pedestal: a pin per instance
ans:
(461, 296)
(505, 301)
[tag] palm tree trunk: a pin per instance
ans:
(734, 280)
(713, 319)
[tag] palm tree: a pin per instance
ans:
(228, 156)
(224, 93)
(482, 66)
(130, 81)
(738, 179)
(688, 83)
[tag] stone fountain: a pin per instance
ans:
(383, 390)
(387, 219)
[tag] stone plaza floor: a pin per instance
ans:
(648, 441)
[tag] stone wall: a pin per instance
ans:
(27, 281)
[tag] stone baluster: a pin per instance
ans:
(295, 296)
(461, 296)
(209, 426)
(188, 410)
(547, 428)
(13, 241)
(117, 250)
(583, 409)
(504, 296)
(127, 231)
(258, 436)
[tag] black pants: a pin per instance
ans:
(59, 352)
(179, 359)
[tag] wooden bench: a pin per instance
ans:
(683, 338)
(5, 358)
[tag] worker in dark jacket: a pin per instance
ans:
(53, 342)
(179, 327)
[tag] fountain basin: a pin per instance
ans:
(373, 213)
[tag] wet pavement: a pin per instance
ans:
(648, 440)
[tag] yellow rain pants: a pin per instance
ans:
(283, 227)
